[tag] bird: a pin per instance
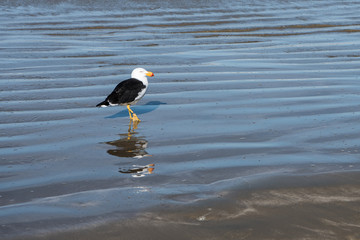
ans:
(129, 92)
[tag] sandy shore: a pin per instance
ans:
(320, 206)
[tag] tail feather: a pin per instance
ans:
(103, 104)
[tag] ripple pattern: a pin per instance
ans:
(240, 88)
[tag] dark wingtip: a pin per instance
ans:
(103, 104)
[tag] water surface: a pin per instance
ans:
(244, 93)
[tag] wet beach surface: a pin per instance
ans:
(322, 206)
(249, 128)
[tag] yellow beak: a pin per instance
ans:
(149, 74)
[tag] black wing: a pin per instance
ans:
(126, 91)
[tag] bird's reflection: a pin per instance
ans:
(139, 171)
(130, 145)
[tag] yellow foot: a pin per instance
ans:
(135, 118)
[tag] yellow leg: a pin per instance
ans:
(130, 111)
(133, 117)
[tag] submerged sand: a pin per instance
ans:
(320, 206)
(249, 129)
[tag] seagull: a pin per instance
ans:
(129, 92)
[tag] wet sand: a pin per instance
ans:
(249, 128)
(320, 206)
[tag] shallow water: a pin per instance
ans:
(243, 91)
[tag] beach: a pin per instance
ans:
(322, 206)
(249, 128)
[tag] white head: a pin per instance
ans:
(140, 74)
